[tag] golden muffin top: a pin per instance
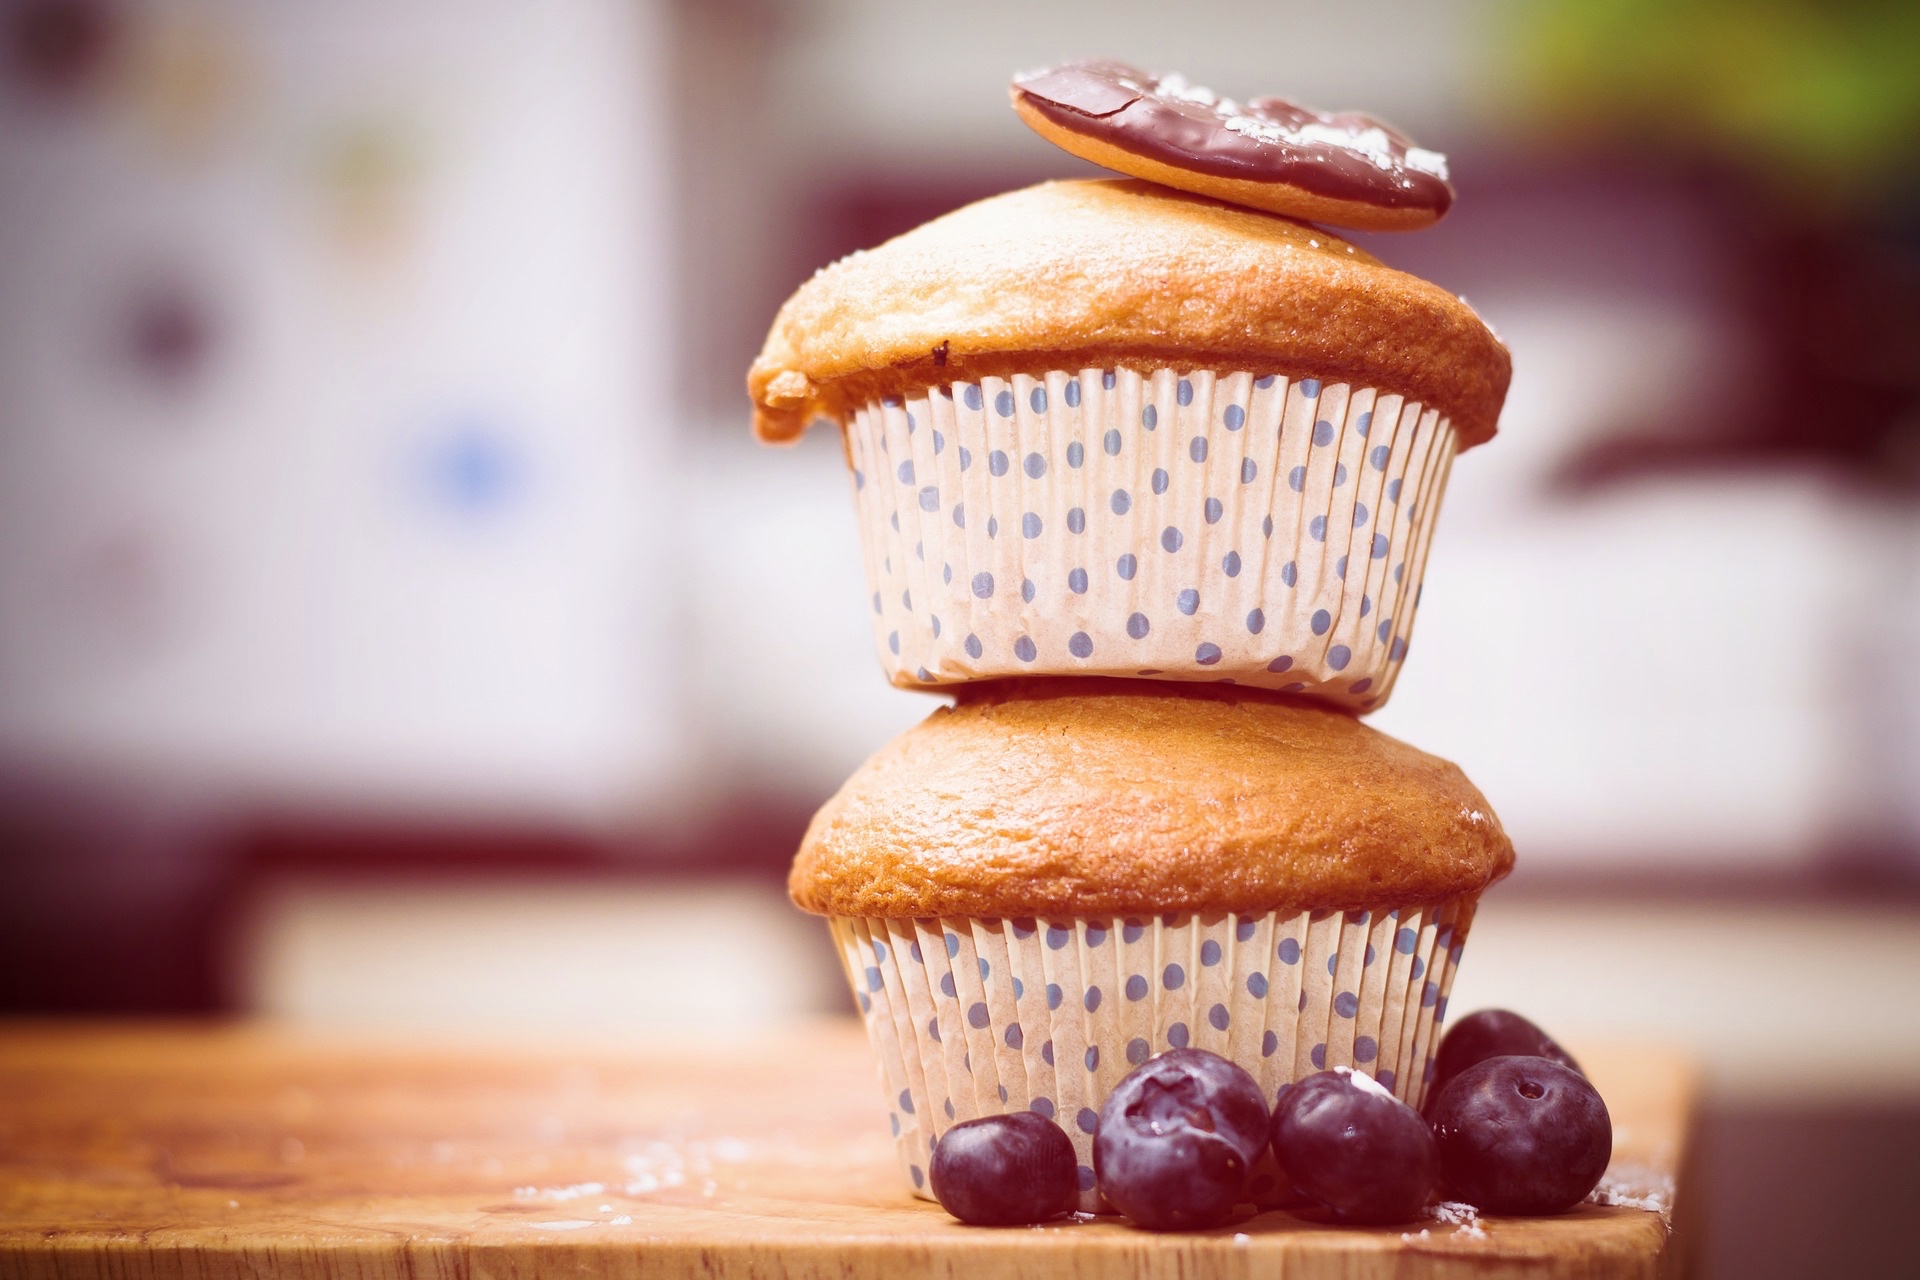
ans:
(1099, 274)
(1087, 796)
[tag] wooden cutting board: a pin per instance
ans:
(167, 1151)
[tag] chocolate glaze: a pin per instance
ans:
(1343, 156)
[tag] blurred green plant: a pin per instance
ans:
(1825, 92)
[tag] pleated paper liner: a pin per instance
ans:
(1187, 526)
(974, 1017)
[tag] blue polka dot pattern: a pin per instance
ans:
(1173, 977)
(1136, 987)
(1346, 1004)
(1318, 1057)
(1092, 999)
(1177, 1035)
(1014, 1036)
(1185, 392)
(1320, 622)
(1048, 449)
(983, 585)
(1092, 1057)
(1138, 1051)
(1288, 951)
(1042, 1106)
(1188, 602)
(1053, 995)
(1269, 1045)
(1365, 1048)
(1126, 567)
(1218, 1017)
(1088, 1119)
(1257, 985)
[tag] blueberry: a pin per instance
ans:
(1491, 1033)
(1521, 1135)
(1178, 1138)
(1001, 1171)
(1347, 1143)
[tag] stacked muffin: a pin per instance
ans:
(1146, 481)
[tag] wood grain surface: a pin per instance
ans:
(168, 1151)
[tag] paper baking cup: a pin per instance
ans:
(1186, 526)
(975, 1017)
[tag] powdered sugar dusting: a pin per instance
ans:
(1459, 1215)
(1364, 1082)
(1634, 1186)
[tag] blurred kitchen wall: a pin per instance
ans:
(376, 498)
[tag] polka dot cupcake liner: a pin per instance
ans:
(974, 1017)
(1185, 526)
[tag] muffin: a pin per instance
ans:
(1035, 890)
(1111, 428)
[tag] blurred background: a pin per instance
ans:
(398, 625)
